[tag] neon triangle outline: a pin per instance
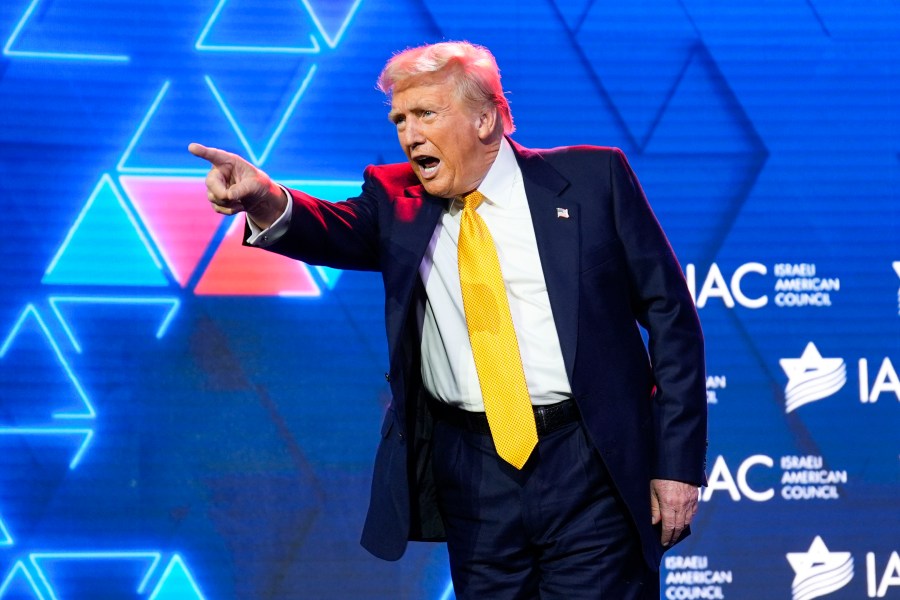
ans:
(8, 51)
(332, 42)
(6, 582)
(5, 538)
(55, 301)
(30, 309)
(201, 46)
(60, 431)
(279, 129)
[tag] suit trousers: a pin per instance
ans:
(557, 529)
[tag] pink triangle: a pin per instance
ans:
(178, 217)
(238, 270)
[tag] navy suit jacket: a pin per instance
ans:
(608, 267)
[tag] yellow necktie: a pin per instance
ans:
(494, 344)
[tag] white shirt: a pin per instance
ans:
(448, 367)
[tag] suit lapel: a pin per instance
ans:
(555, 218)
(416, 216)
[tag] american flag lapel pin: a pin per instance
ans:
(562, 213)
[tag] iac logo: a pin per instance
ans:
(752, 285)
(811, 377)
(818, 572)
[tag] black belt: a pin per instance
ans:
(548, 418)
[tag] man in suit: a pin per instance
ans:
(579, 497)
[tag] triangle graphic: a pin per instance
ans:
(5, 539)
(332, 17)
(573, 12)
(176, 583)
(73, 32)
(277, 99)
(238, 270)
(704, 105)
(177, 215)
(35, 378)
(333, 191)
(637, 67)
(896, 265)
(180, 113)
(19, 585)
(105, 246)
(106, 318)
(274, 26)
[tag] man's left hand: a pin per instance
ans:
(674, 504)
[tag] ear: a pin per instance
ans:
(486, 122)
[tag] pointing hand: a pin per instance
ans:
(234, 185)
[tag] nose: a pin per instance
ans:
(411, 134)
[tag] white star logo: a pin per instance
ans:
(818, 572)
(896, 264)
(811, 377)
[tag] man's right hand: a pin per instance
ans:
(234, 185)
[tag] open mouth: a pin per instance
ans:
(427, 164)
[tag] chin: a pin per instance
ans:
(436, 189)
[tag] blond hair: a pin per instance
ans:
(477, 77)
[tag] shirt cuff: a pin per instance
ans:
(266, 237)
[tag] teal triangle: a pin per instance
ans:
(105, 246)
(176, 583)
(19, 585)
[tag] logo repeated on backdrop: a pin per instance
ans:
(795, 285)
(692, 578)
(811, 377)
(714, 386)
(804, 478)
(818, 572)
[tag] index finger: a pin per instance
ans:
(217, 157)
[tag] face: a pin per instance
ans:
(449, 144)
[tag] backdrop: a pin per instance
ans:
(183, 418)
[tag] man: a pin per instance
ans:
(577, 494)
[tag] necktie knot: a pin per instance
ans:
(473, 199)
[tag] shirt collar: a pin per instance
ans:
(497, 185)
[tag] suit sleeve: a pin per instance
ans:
(342, 235)
(663, 305)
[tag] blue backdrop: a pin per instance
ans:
(183, 418)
